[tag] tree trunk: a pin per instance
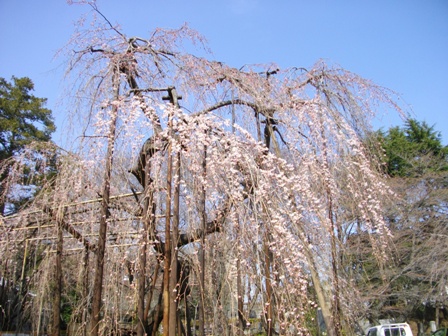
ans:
(57, 289)
(148, 218)
(336, 306)
(269, 313)
(172, 97)
(101, 247)
(321, 295)
(269, 304)
(151, 291)
(202, 252)
(141, 282)
(85, 289)
(240, 293)
(3, 177)
(167, 249)
(157, 317)
(174, 286)
(187, 317)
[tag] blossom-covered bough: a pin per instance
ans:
(234, 213)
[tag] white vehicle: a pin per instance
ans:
(392, 329)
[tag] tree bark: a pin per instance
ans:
(148, 222)
(85, 288)
(101, 247)
(157, 317)
(202, 252)
(240, 293)
(187, 317)
(321, 295)
(269, 304)
(167, 261)
(168, 325)
(141, 281)
(269, 313)
(57, 289)
(167, 256)
(151, 290)
(336, 307)
(174, 288)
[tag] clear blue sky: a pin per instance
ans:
(399, 44)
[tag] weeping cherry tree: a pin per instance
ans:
(196, 191)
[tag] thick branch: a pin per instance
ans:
(70, 229)
(211, 227)
(266, 112)
(227, 103)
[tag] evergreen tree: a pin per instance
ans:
(23, 119)
(409, 148)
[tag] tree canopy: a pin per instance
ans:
(23, 120)
(23, 117)
(409, 148)
(241, 199)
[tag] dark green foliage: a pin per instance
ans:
(409, 148)
(23, 118)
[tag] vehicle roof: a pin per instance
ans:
(390, 325)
